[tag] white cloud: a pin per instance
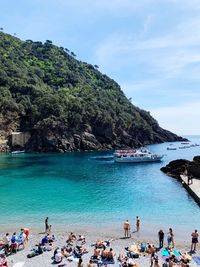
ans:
(181, 119)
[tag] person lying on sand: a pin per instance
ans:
(103, 243)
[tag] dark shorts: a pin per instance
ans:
(194, 240)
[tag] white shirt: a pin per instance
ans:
(6, 240)
(58, 257)
(23, 237)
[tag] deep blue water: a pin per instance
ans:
(83, 187)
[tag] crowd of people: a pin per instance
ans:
(103, 254)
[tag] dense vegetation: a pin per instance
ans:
(65, 103)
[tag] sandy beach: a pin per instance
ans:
(92, 233)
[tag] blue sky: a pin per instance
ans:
(150, 47)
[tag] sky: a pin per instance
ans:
(150, 47)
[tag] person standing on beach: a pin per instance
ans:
(195, 236)
(137, 224)
(161, 238)
(46, 224)
(126, 228)
(170, 238)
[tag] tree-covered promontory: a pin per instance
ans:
(67, 104)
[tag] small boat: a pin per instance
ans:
(136, 155)
(18, 152)
(183, 147)
(171, 148)
(185, 143)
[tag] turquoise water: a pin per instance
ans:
(83, 187)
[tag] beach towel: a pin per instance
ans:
(165, 253)
(196, 259)
(19, 264)
(106, 262)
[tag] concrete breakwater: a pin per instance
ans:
(193, 187)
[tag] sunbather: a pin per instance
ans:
(6, 243)
(58, 256)
(110, 255)
(71, 237)
(104, 253)
(67, 252)
(96, 253)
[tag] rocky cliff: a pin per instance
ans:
(66, 104)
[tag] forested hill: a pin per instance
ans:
(66, 104)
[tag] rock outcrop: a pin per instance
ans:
(177, 167)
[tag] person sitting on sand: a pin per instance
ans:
(81, 238)
(104, 253)
(172, 260)
(45, 240)
(6, 243)
(71, 237)
(58, 256)
(110, 255)
(67, 253)
(90, 264)
(185, 263)
(156, 263)
(96, 253)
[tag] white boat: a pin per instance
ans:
(136, 155)
(18, 152)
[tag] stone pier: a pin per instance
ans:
(193, 188)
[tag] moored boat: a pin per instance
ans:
(171, 148)
(136, 155)
(18, 152)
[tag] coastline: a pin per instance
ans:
(92, 233)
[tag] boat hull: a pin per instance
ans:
(137, 160)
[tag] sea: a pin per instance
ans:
(90, 188)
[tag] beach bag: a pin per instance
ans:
(164, 265)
